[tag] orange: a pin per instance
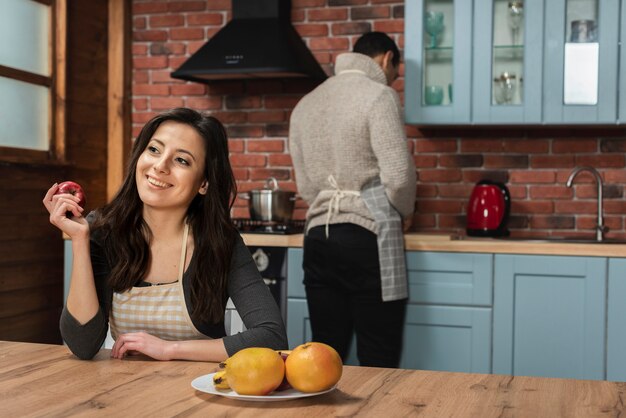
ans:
(255, 371)
(313, 367)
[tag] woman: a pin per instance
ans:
(159, 262)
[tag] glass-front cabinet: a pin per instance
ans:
(622, 66)
(514, 62)
(581, 61)
(436, 59)
(507, 58)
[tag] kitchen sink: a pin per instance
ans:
(552, 239)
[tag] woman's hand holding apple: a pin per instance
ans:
(65, 203)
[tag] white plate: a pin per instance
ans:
(205, 384)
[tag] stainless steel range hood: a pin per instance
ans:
(259, 42)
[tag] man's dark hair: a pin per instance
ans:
(373, 44)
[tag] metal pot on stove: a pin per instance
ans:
(270, 204)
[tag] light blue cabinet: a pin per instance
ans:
(448, 321)
(552, 316)
(298, 324)
(449, 338)
(479, 45)
(549, 316)
(616, 321)
(605, 111)
(442, 60)
(622, 66)
(487, 52)
(450, 278)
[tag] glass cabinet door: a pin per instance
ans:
(622, 67)
(581, 61)
(437, 61)
(507, 75)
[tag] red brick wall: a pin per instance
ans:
(533, 162)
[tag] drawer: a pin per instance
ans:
(450, 278)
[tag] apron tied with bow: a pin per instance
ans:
(335, 198)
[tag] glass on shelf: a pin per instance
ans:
(515, 19)
(433, 25)
(437, 52)
(581, 21)
(505, 88)
(584, 31)
(433, 95)
(508, 52)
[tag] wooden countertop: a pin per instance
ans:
(47, 380)
(449, 243)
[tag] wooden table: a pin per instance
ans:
(47, 380)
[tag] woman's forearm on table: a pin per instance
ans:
(82, 298)
(198, 350)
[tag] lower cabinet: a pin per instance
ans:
(524, 315)
(448, 338)
(616, 321)
(448, 321)
(442, 335)
(549, 316)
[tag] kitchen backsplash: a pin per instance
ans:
(533, 162)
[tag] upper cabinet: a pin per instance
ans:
(514, 62)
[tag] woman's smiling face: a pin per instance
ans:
(170, 171)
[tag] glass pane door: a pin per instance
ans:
(508, 61)
(438, 54)
(438, 61)
(508, 53)
(582, 61)
(622, 65)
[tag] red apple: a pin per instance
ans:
(74, 189)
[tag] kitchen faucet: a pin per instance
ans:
(600, 228)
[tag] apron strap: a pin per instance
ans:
(181, 270)
(337, 195)
(183, 253)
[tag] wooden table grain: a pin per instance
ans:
(47, 380)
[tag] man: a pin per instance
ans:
(353, 168)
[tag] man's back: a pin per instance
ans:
(350, 127)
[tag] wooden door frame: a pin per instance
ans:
(119, 93)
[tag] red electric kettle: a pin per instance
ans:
(488, 210)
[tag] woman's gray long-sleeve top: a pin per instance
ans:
(250, 295)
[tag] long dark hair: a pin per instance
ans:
(126, 235)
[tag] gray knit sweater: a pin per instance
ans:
(351, 127)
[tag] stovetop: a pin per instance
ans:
(250, 226)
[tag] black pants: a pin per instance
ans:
(342, 281)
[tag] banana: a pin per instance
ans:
(220, 381)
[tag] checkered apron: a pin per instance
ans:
(159, 310)
(390, 241)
